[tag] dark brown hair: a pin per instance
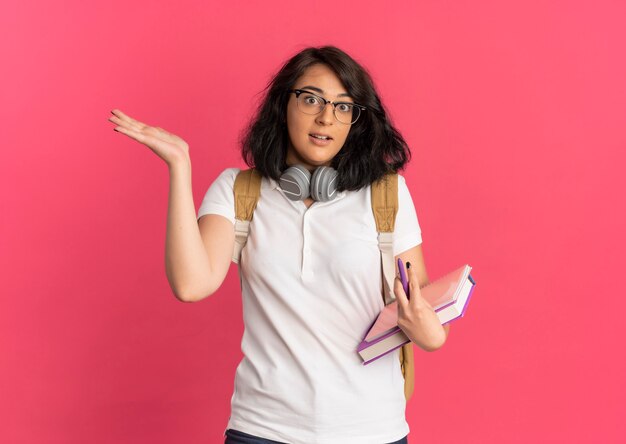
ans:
(373, 146)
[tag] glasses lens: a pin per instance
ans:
(347, 112)
(309, 103)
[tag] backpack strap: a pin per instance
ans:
(247, 190)
(385, 209)
(407, 364)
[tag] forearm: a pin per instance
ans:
(186, 261)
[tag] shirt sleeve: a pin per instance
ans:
(407, 231)
(220, 198)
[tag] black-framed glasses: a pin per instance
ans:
(344, 112)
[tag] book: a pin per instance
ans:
(449, 296)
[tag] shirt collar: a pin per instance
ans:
(269, 183)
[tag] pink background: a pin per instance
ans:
(514, 111)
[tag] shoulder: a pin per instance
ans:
(228, 175)
(401, 181)
(219, 198)
(403, 188)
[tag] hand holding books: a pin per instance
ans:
(416, 316)
(447, 296)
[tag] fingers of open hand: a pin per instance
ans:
(128, 120)
(148, 136)
(138, 130)
(137, 135)
(137, 127)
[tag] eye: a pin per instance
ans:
(344, 107)
(310, 99)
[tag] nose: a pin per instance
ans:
(326, 116)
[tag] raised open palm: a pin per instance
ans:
(167, 146)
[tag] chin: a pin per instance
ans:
(313, 155)
(321, 156)
(317, 164)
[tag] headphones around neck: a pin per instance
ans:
(298, 184)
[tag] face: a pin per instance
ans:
(304, 148)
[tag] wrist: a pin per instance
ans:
(180, 162)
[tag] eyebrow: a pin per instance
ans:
(321, 91)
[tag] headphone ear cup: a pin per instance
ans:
(296, 182)
(324, 184)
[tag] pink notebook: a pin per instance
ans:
(386, 321)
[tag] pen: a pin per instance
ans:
(403, 279)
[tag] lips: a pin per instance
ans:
(320, 136)
(318, 141)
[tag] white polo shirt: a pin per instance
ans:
(312, 286)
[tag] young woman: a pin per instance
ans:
(310, 271)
